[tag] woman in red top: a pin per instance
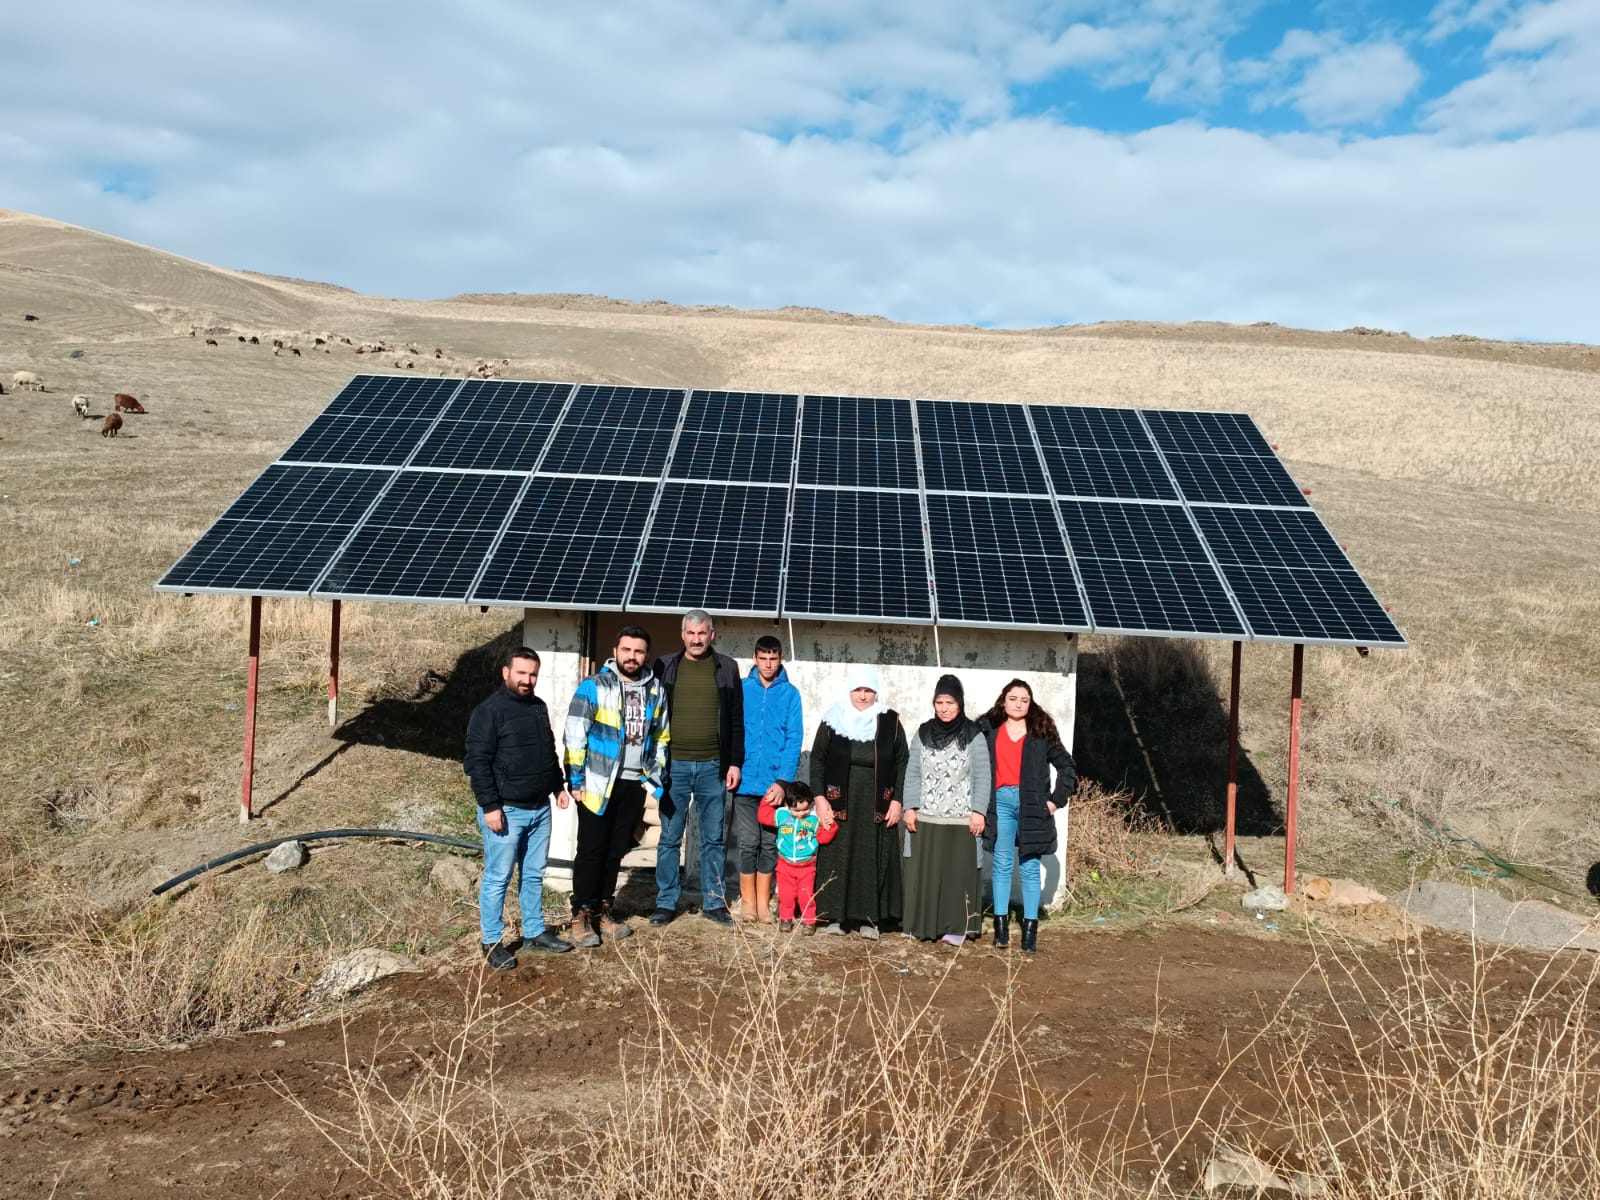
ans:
(1023, 745)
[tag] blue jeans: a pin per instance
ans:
(524, 844)
(1007, 805)
(701, 784)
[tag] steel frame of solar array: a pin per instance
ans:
(1010, 463)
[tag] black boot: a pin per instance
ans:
(1002, 930)
(1030, 935)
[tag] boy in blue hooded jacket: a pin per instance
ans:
(773, 737)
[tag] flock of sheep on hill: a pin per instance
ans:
(124, 402)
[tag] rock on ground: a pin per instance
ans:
(1233, 1168)
(1491, 916)
(454, 875)
(290, 856)
(1269, 897)
(357, 969)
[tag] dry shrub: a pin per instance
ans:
(1110, 832)
(149, 980)
(1437, 1090)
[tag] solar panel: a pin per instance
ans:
(570, 543)
(494, 425)
(1292, 579)
(854, 441)
(978, 448)
(714, 546)
(425, 539)
(1145, 569)
(541, 494)
(1000, 560)
(615, 431)
(276, 538)
(393, 397)
(358, 441)
(857, 555)
(737, 437)
(1234, 479)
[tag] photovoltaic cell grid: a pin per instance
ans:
(856, 542)
(716, 546)
(739, 437)
(276, 538)
(494, 425)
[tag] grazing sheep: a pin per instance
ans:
(27, 380)
(438, 353)
(211, 341)
(295, 350)
(322, 341)
(2, 389)
(255, 341)
(277, 343)
(241, 338)
(29, 317)
(112, 425)
(80, 405)
(361, 349)
(122, 402)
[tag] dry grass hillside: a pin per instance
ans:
(1459, 472)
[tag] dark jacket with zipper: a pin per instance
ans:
(511, 752)
(1036, 825)
(730, 706)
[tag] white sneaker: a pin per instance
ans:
(869, 932)
(834, 928)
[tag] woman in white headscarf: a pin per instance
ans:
(858, 764)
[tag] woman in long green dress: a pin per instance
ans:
(858, 764)
(946, 797)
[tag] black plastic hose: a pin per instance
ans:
(320, 835)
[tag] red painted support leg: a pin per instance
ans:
(1292, 808)
(1233, 762)
(251, 675)
(333, 670)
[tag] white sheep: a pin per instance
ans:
(28, 380)
(80, 405)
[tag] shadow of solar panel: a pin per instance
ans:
(733, 457)
(1001, 560)
(1207, 433)
(570, 543)
(1145, 569)
(768, 414)
(393, 396)
(1309, 606)
(1113, 474)
(425, 539)
(276, 538)
(857, 555)
(714, 546)
(358, 441)
(1234, 479)
(1292, 579)
(978, 448)
(1101, 428)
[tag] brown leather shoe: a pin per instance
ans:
(583, 933)
(612, 928)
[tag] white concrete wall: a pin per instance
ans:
(817, 655)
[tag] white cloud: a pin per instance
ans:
(1544, 76)
(1329, 81)
(658, 151)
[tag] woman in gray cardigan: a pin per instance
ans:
(946, 796)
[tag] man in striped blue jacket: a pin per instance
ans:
(617, 736)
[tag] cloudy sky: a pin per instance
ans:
(1429, 166)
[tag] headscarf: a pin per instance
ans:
(844, 718)
(960, 729)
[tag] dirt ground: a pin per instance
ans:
(1136, 1028)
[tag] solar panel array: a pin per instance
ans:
(557, 495)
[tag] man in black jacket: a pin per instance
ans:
(511, 760)
(706, 698)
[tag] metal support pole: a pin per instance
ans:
(1292, 807)
(333, 670)
(252, 673)
(1228, 866)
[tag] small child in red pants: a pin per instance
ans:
(800, 831)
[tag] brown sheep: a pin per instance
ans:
(241, 338)
(113, 423)
(322, 341)
(277, 343)
(361, 349)
(122, 402)
(255, 341)
(211, 341)
(295, 350)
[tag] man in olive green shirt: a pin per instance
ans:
(706, 699)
